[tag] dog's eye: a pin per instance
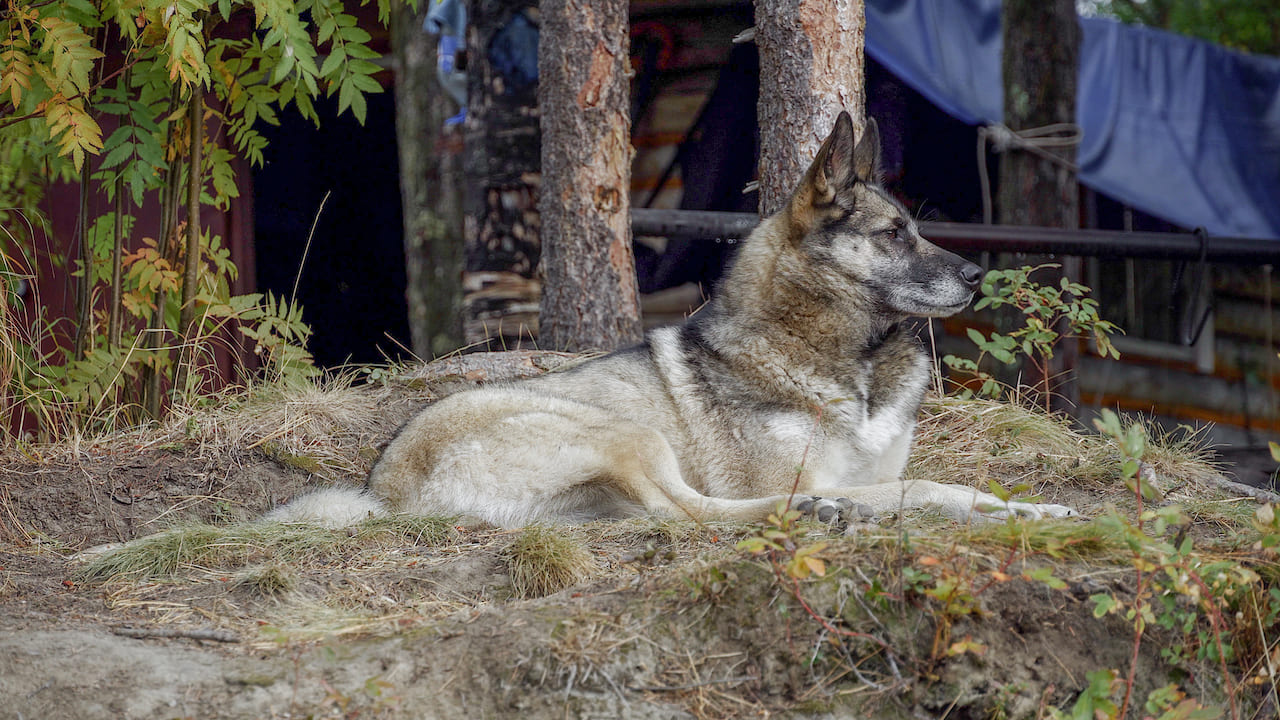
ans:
(894, 234)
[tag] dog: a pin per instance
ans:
(799, 382)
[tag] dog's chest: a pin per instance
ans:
(857, 414)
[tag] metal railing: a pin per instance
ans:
(997, 238)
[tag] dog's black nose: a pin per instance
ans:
(971, 274)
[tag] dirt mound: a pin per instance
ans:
(215, 616)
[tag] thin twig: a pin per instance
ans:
(690, 686)
(293, 296)
(210, 634)
(6, 122)
(804, 457)
(1241, 489)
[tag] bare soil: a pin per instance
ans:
(671, 621)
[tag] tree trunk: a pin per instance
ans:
(191, 270)
(811, 68)
(84, 290)
(1041, 58)
(502, 167)
(590, 299)
(429, 188)
(1040, 62)
(115, 309)
(156, 339)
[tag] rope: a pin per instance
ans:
(1271, 352)
(1036, 141)
(1191, 337)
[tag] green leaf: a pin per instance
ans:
(998, 490)
(1046, 576)
(366, 83)
(1104, 604)
(283, 68)
(359, 108)
(1108, 423)
(1129, 467)
(117, 156)
(355, 35)
(333, 62)
(1135, 441)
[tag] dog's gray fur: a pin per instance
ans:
(800, 373)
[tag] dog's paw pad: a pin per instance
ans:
(827, 510)
(836, 512)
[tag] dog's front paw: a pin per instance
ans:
(836, 512)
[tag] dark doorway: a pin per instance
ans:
(352, 286)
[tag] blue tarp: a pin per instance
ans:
(1179, 128)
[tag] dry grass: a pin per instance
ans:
(330, 428)
(200, 546)
(269, 580)
(12, 530)
(974, 440)
(314, 620)
(545, 560)
(669, 531)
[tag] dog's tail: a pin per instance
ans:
(334, 507)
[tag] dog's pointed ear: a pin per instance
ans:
(866, 156)
(833, 168)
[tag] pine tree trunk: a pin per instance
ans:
(502, 168)
(590, 299)
(1041, 59)
(811, 68)
(1040, 63)
(429, 187)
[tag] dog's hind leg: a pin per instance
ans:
(646, 471)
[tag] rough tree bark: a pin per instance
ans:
(1040, 62)
(502, 170)
(429, 189)
(1041, 58)
(590, 299)
(811, 68)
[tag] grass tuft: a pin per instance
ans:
(543, 561)
(428, 530)
(270, 580)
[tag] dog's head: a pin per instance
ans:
(857, 242)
